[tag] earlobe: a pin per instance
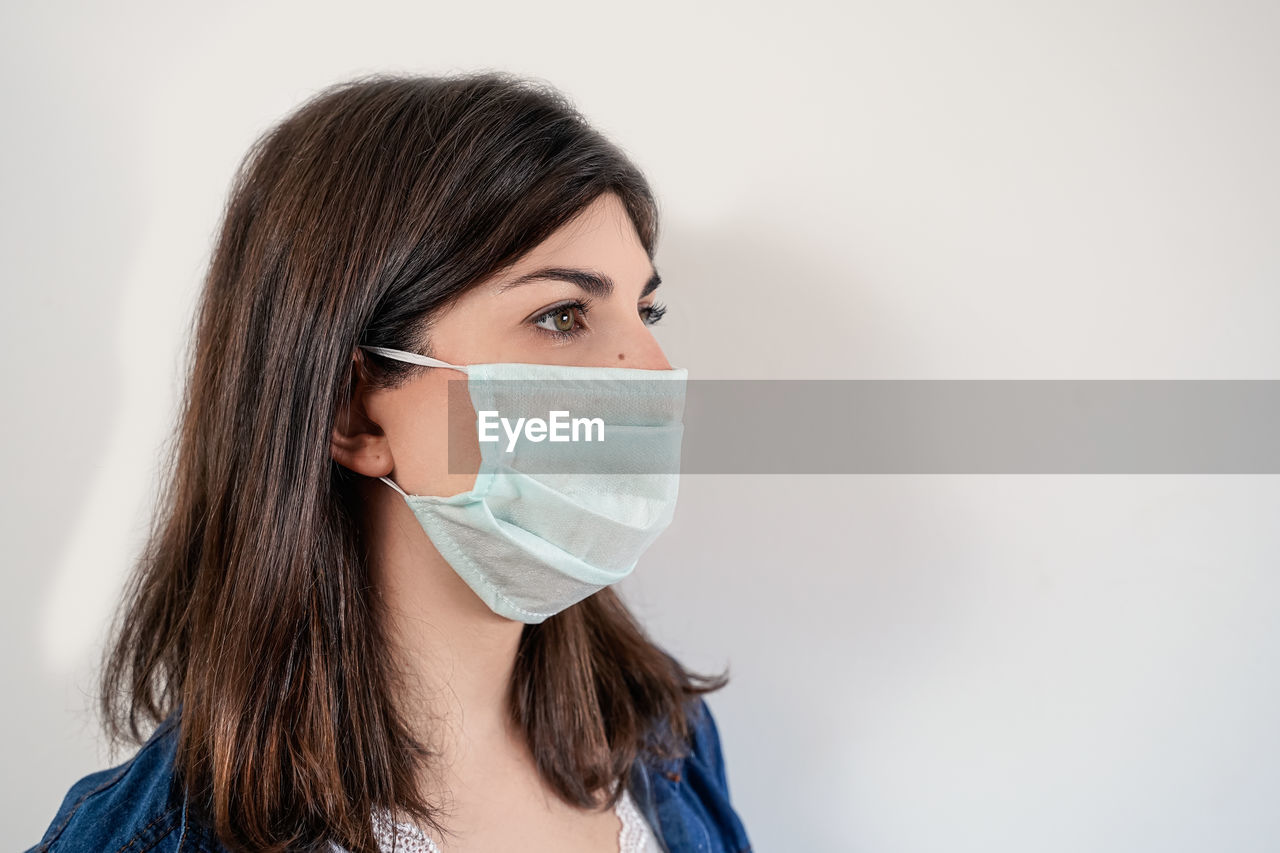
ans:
(356, 442)
(363, 452)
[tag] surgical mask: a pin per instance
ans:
(552, 520)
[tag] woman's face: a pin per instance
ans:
(584, 296)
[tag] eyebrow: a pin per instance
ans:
(594, 283)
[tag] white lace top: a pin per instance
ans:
(635, 836)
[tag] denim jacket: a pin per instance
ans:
(140, 805)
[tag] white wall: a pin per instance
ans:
(856, 190)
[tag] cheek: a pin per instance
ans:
(435, 446)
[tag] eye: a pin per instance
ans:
(564, 320)
(653, 313)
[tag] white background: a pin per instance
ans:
(853, 190)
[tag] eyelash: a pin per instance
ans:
(652, 314)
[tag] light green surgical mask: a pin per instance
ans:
(550, 519)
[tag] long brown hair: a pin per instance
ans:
(250, 610)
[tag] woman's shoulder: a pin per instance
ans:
(689, 796)
(136, 805)
(707, 747)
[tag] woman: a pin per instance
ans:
(346, 642)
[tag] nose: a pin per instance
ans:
(638, 348)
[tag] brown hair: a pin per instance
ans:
(250, 609)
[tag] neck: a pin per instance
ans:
(455, 654)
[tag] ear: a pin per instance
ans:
(357, 442)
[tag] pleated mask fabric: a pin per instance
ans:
(550, 521)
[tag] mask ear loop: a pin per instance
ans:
(414, 358)
(392, 483)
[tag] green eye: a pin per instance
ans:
(562, 320)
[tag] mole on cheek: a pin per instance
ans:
(621, 357)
